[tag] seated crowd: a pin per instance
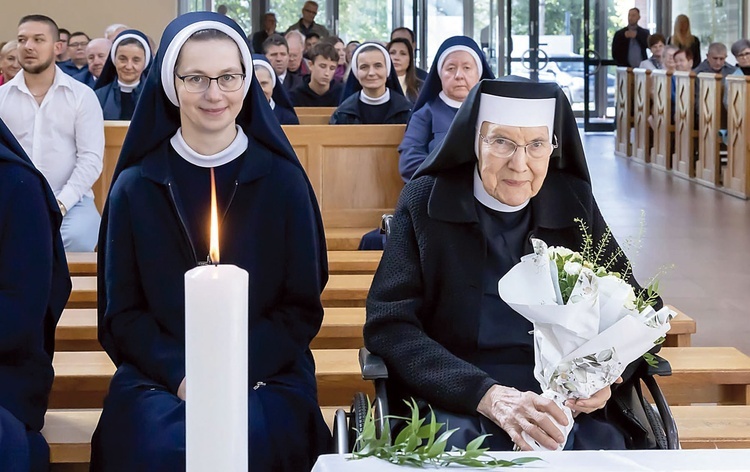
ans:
(56, 90)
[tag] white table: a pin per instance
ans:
(577, 461)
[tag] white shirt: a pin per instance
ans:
(64, 136)
(282, 77)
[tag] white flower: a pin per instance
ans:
(560, 251)
(630, 301)
(572, 268)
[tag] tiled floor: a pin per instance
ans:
(704, 233)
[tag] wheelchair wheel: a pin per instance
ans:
(357, 416)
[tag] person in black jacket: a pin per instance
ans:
(318, 89)
(372, 95)
(511, 166)
(630, 43)
(34, 287)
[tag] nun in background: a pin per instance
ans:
(202, 109)
(274, 91)
(34, 287)
(511, 166)
(120, 85)
(372, 95)
(458, 66)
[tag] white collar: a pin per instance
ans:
(481, 195)
(232, 152)
(364, 98)
(127, 88)
(282, 76)
(60, 80)
(449, 101)
(272, 103)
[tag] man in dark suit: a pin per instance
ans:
(630, 43)
(269, 29)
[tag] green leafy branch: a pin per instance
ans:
(419, 444)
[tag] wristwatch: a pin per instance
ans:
(63, 210)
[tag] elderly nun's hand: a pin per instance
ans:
(516, 411)
(595, 402)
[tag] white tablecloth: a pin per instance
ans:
(577, 461)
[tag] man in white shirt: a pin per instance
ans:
(59, 123)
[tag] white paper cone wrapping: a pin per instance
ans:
(216, 368)
(564, 429)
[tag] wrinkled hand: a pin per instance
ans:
(595, 402)
(516, 411)
(182, 390)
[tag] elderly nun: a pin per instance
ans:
(457, 68)
(511, 166)
(120, 84)
(201, 109)
(274, 91)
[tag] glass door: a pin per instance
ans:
(601, 21)
(545, 43)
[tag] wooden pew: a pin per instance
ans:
(684, 119)
(307, 111)
(737, 181)
(353, 170)
(682, 327)
(82, 378)
(706, 375)
(709, 427)
(708, 167)
(623, 111)
(642, 111)
(339, 262)
(341, 290)
(341, 329)
(661, 154)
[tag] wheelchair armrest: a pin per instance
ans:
(372, 366)
(662, 368)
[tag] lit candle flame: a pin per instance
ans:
(213, 253)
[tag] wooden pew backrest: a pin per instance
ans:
(684, 124)
(623, 111)
(737, 180)
(641, 113)
(708, 167)
(662, 112)
(114, 135)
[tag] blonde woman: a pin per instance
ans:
(683, 38)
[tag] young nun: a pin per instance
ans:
(372, 95)
(120, 84)
(34, 287)
(274, 91)
(201, 109)
(458, 66)
(511, 165)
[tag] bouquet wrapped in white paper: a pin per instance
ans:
(588, 322)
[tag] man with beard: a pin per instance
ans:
(58, 122)
(96, 55)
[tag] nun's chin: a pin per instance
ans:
(511, 192)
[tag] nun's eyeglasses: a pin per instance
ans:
(201, 83)
(504, 148)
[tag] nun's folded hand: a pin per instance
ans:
(517, 411)
(595, 402)
(182, 390)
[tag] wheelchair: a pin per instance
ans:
(656, 419)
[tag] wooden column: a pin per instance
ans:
(661, 154)
(737, 180)
(684, 119)
(623, 111)
(642, 111)
(709, 103)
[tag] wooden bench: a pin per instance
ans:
(623, 111)
(352, 168)
(661, 154)
(682, 327)
(641, 113)
(341, 329)
(82, 378)
(708, 167)
(709, 427)
(706, 375)
(341, 290)
(683, 160)
(737, 181)
(339, 262)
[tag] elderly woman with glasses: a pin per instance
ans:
(202, 112)
(511, 166)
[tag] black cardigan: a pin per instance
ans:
(424, 304)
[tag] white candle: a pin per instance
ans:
(216, 364)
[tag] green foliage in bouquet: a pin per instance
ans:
(419, 445)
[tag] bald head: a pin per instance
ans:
(96, 55)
